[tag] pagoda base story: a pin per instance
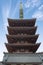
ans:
(22, 59)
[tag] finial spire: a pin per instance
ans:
(21, 10)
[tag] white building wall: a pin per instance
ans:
(23, 58)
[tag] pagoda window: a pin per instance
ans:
(13, 24)
(17, 42)
(8, 64)
(25, 34)
(22, 50)
(17, 50)
(26, 50)
(18, 34)
(13, 32)
(21, 33)
(21, 64)
(18, 64)
(25, 42)
(13, 64)
(35, 64)
(22, 42)
(28, 64)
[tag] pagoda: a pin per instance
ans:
(22, 44)
(21, 37)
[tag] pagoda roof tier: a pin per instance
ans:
(20, 30)
(15, 38)
(21, 22)
(30, 47)
(22, 44)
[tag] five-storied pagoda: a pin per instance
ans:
(22, 44)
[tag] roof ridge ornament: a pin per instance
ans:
(21, 10)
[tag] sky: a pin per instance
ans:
(10, 9)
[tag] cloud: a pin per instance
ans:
(35, 3)
(41, 7)
(32, 3)
(38, 15)
(27, 4)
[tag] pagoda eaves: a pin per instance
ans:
(22, 30)
(15, 38)
(22, 48)
(21, 22)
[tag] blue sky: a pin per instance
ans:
(10, 9)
